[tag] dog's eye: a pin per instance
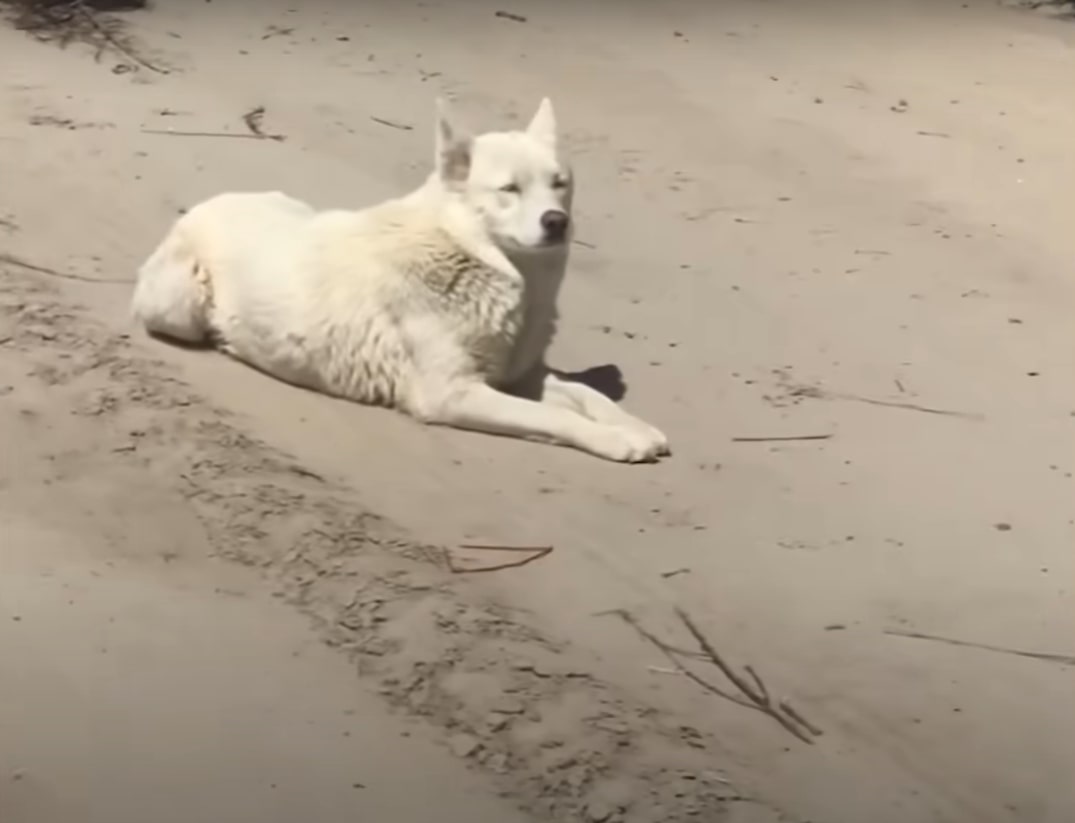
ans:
(511, 188)
(559, 182)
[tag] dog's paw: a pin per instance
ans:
(658, 438)
(652, 433)
(629, 445)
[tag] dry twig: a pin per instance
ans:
(673, 654)
(674, 572)
(12, 260)
(758, 682)
(532, 553)
(753, 692)
(798, 718)
(818, 393)
(894, 404)
(392, 124)
(509, 15)
(781, 438)
(1064, 659)
(277, 31)
(241, 135)
(253, 120)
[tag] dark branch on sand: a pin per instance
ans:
(781, 438)
(391, 124)
(753, 693)
(532, 553)
(1064, 659)
(12, 260)
(240, 135)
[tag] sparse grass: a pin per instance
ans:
(63, 22)
(67, 21)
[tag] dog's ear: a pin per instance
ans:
(453, 145)
(543, 126)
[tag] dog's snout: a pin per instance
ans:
(554, 223)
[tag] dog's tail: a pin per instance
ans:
(173, 295)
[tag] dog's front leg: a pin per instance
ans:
(599, 408)
(479, 407)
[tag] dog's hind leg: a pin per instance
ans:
(172, 297)
(479, 407)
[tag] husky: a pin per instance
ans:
(441, 303)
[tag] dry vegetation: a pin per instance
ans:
(88, 22)
(68, 21)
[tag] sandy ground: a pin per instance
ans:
(794, 221)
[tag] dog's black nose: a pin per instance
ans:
(554, 223)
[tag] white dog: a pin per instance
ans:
(441, 303)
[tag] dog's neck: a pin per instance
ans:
(541, 269)
(542, 272)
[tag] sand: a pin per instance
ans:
(225, 599)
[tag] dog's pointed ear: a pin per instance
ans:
(453, 145)
(543, 126)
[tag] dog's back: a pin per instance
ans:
(354, 304)
(176, 291)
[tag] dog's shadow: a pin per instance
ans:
(184, 345)
(607, 379)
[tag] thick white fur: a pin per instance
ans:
(441, 303)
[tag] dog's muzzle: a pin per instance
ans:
(554, 223)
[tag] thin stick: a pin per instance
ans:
(91, 19)
(893, 404)
(1065, 659)
(252, 119)
(688, 654)
(759, 697)
(757, 694)
(275, 31)
(391, 124)
(812, 391)
(718, 661)
(817, 393)
(304, 472)
(781, 438)
(757, 682)
(240, 135)
(675, 572)
(671, 654)
(491, 547)
(12, 260)
(798, 718)
(514, 564)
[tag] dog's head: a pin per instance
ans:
(514, 180)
